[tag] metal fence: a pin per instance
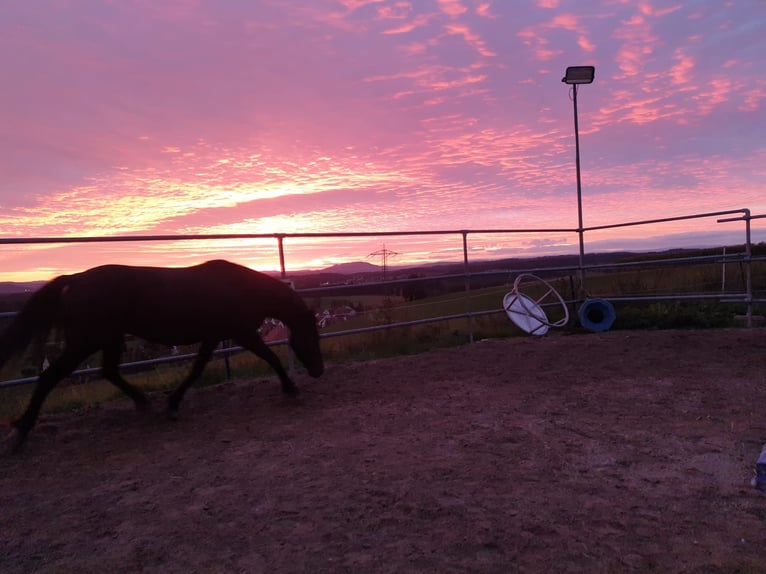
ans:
(581, 269)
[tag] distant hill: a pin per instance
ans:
(352, 268)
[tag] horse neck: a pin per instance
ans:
(288, 310)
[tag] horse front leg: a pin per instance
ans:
(111, 372)
(255, 344)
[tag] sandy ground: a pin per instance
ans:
(613, 452)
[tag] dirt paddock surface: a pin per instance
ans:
(612, 452)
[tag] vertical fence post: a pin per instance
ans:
(467, 276)
(283, 272)
(281, 244)
(748, 275)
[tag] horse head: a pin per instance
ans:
(304, 340)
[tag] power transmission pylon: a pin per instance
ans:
(385, 253)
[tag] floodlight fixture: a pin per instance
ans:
(579, 75)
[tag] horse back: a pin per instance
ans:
(214, 300)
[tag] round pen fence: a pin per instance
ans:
(463, 279)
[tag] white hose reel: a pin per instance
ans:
(527, 312)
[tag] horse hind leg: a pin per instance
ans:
(203, 356)
(111, 372)
(59, 369)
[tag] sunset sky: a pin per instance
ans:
(142, 117)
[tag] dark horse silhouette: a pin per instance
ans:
(206, 304)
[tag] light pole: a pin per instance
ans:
(576, 75)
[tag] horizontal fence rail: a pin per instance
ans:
(744, 258)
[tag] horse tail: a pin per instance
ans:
(34, 320)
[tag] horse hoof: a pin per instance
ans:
(291, 391)
(12, 442)
(143, 407)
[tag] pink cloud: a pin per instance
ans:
(537, 37)
(472, 39)
(172, 10)
(627, 106)
(752, 98)
(483, 10)
(414, 48)
(538, 43)
(352, 5)
(452, 8)
(681, 71)
(586, 44)
(565, 21)
(459, 82)
(406, 27)
(395, 11)
(712, 94)
(667, 10)
(638, 42)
